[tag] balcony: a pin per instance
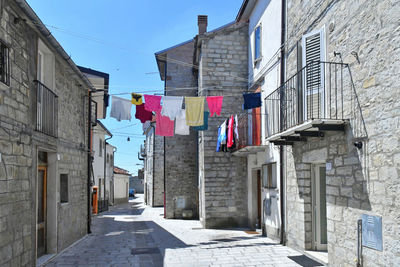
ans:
(249, 130)
(46, 119)
(316, 99)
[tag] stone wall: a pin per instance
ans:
(20, 144)
(223, 178)
(361, 181)
(154, 168)
(181, 178)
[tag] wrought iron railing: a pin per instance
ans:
(249, 130)
(317, 91)
(102, 205)
(46, 119)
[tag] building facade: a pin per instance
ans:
(337, 118)
(153, 167)
(263, 159)
(44, 140)
(121, 185)
(180, 151)
(101, 164)
(221, 56)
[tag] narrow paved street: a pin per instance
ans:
(135, 235)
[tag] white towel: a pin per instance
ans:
(180, 124)
(171, 106)
(120, 108)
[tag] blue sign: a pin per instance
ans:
(372, 232)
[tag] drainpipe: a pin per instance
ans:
(165, 90)
(154, 140)
(89, 164)
(281, 150)
(105, 166)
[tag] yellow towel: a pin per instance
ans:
(194, 111)
(137, 99)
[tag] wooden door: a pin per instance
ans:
(41, 211)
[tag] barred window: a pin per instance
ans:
(4, 64)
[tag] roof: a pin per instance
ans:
(104, 128)
(119, 170)
(161, 61)
(245, 10)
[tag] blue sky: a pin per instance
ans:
(120, 38)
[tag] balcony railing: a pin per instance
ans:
(317, 91)
(46, 119)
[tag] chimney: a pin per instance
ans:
(202, 23)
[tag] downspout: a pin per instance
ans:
(165, 90)
(89, 162)
(154, 141)
(281, 150)
(114, 150)
(105, 166)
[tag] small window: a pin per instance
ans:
(64, 188)
(257, 44)
(269, 175)
(100, 148)
(4, 64)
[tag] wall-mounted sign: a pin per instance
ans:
(372, 232)
(180, 203)
(329, 166)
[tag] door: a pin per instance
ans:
(313, 45)
(41, 211)
(259, 221)
(319, 208)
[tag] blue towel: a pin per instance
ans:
(203, 127)
(252, 100)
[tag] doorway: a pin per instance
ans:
(319, 220)
(41, 224)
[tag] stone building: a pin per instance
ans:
(180, 151)
(221, 56)
(43, 141)
(153, 156)
(337, 115)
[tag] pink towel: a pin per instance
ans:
(215, 104)
(164, 126)
(152, 102)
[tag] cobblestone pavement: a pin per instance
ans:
(135, 235)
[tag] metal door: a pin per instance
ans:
(41, 211)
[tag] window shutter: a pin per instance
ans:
(313, 94)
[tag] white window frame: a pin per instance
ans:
(257, 59)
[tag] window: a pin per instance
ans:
(269, 175)
(64, 188)
(4, 64)
(100, 148)
(257, 44)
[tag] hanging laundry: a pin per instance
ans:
(230, 132)
(219, 139)
(164, 126)
(204, 127)
(137, 99)
(172, 106)
(194, 110)
(215, 104)
(221, 142)
(236, 127)
(180, 124)
(252, 100)
(142, 114)
(120, 108)
(152, 102)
